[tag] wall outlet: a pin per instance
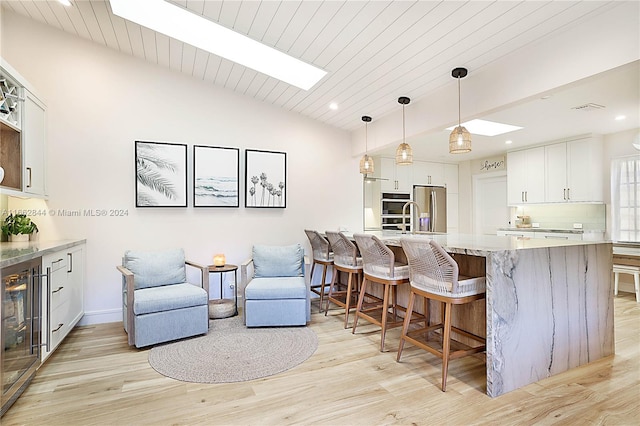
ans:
(535, 225)
(577, 226)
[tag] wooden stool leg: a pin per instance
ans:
(405, 324)
(324, 277)
(446, 345)
(347, 300)
(616, 281)
(331, 287)
(385, 309)
(636, 281)
(313, 267)
(359, 307)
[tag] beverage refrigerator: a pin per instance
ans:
(21, 324)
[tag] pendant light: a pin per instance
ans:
(366, 163)
(460, 138)
(404, 153)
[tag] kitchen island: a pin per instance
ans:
(549, 303)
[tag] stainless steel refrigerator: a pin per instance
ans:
(432, 205)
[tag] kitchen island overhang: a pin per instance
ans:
(549, 303)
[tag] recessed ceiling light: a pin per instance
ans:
(65, 2)
(200, 32)
(333, 106)
(621, 117)
(509, 142)
(487, 128)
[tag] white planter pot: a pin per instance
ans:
(20, 238)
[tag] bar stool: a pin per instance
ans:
(627, 269)
(435, 275)
(322, 255)
(345, 259)
(380, 267)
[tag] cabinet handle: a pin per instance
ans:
(57, 290)
(57, 328)
(564, 192)
(29, 173)
(70, 270)
(568, 193)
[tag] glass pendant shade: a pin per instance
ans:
(404, 153)
(460, 138)
(366, 162)
(366, 165)
(459, 141)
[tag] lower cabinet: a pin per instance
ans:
(62, 295)
(541, 235)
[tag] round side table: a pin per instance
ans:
(224, 308)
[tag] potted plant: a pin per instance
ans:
(18, 227)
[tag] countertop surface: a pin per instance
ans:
(481, 244)
(564, 231)
(13, 253)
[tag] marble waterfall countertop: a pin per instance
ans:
(562, 231)
(13, 253)
(549, 303)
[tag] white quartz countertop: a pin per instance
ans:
(562, 231)
(480, 244)
(13, 253)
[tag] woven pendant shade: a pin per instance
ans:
(366, 162)
(459, 141)
(404, 153)
(460, 138)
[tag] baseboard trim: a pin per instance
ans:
(101, 317)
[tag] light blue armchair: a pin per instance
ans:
(158, 305)
(276, 293)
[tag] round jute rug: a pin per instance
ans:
(230, 352)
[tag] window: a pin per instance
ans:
(625, 199)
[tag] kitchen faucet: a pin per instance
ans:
(404, 212)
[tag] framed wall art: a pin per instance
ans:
(265, 179)
(161, 174)
(216, 172)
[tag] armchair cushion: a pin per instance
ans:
(158, 268)
(167, 298)
(276, 288)
(278, 261)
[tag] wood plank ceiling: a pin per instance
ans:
(374, 51)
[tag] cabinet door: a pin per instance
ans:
(388, 172)
(452, 212)
(54, 291)
(75, 281)
(516, 177)
(535, 175)
(584, 170)
(451, 178)
(558, 236)
(404, 178)
(33, 141)
(556, 172)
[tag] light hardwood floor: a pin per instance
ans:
(95, 378)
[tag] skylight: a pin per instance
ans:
(200, 32)
(487, 128)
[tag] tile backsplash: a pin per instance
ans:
(563, 216)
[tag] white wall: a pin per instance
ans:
(100, 101)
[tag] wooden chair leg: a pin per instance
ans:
(446, 345)
(324, 277)
(331, 288)
(347, 300)
(385, 314)
(313, 267)
(359, 307)
(405, 324)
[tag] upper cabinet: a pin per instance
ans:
(525, 176)
(398, 178)
(558, 173)
(574, 171)
(427, 173)
(22, 136)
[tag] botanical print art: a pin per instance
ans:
(265, 179)
(215, 176)
(161, 174)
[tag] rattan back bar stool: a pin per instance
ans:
(345, 259)
(322, 255)
(380, 267)
(434, 275)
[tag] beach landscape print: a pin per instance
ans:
(265, 177)
(161, 174)
(215, 176)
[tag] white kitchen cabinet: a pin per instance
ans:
(427, 173)
(573, 171)
(452, 212)
(451, 178)
(526, 176)
(399, 178)
(33, 142)
(62, 295)
(557, 236)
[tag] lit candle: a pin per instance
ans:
(219, 260)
